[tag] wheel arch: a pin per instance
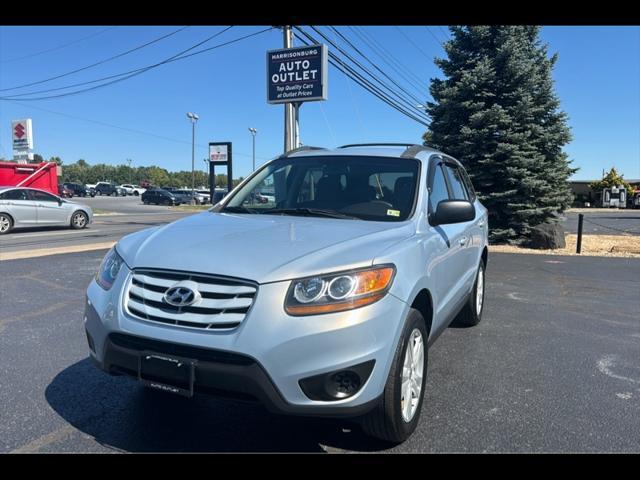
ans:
(423, 302)
(13, 220)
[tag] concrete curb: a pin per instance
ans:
(44, 252)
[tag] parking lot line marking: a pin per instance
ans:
(44, 234)
(43, 252)
(44, 440)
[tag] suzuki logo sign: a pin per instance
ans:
(18, 130)
(22, 136)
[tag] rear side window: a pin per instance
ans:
(468, 184)
(42, 196)
(458, 189)
(438, 189)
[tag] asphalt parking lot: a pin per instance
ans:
(553, 367)
(114, 217)
(603, 222)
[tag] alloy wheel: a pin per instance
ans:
(412, 372)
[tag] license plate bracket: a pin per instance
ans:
(167, 373)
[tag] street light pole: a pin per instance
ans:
(194, 118)
(253, 134)
(130, 173)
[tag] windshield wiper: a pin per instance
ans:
(238, 209)
(311, 212)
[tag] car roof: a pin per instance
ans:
(398, 151)
(14, 187)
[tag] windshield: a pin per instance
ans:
(367, 188)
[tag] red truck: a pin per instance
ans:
(43, 176)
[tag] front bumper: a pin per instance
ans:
(265, 357)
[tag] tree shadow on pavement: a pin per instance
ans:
(120, 413)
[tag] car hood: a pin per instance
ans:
(262, 248)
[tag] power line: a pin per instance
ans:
(59, 47)
(444, 32)
(414, 44)
(390, 60)
(354, 104)
(356, 77)
(117, 75)
(374, 65)
(179, 56)
(139, 47)
(408, 104)
(126, 129)
(436, 39)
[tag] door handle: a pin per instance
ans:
(481, 223)
(463, 241)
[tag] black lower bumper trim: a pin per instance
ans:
(218, 373)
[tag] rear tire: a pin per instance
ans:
(6, 223)
(396, 416)
(471, 314)
(79, 220)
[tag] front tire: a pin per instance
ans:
(6, 223)
(79, 220)
(471, 314)
(396, 416)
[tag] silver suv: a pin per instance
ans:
(320, 299)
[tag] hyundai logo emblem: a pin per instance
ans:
(182, 294)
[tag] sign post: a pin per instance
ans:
(220, 153)
(294, 76)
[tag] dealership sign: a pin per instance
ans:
(22, 135)
(219, 152)
(297, 74)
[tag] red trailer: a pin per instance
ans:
(35, 175)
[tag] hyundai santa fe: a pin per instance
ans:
(321, 301)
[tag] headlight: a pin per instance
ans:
(109, 269)
(339, 291)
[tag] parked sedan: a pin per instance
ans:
(188, 195)
(29, 207)
(159, 196)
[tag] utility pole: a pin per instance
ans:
(129, 162)
(194, 118)
(291, 136)
(253, 132)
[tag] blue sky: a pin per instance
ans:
(597, 78)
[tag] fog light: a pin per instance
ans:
(343, 384)
(337, 385)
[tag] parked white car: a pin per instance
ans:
(134, 190)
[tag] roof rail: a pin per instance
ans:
(301, 149)
(411, 148)
(377, 145)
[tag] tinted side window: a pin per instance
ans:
(469, 185)
(42, 196)
(15, 195)
(458, 190)
(438, 189)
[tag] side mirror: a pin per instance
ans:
(453, 211)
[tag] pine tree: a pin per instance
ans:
(496, 110)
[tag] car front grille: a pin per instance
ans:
(224, 302)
